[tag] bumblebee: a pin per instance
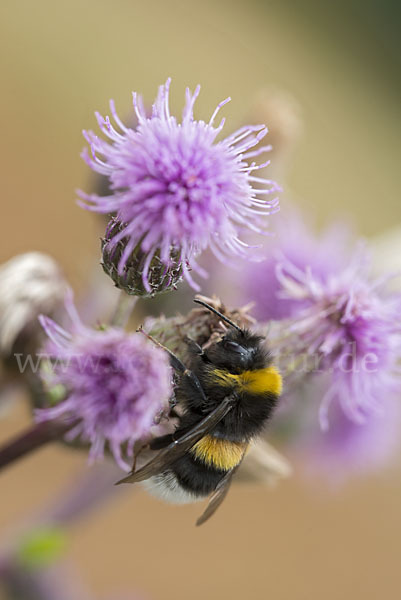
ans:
(227, 395)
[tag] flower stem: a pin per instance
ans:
(33, 438)
(94, 486)
(124, 308)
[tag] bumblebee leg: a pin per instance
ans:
(194, 380)
(193, 346)
(173, 414)
(178, 365)
(161, 442)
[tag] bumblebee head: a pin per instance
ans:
(239, 350)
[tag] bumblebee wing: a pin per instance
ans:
(216, 498)
(179, 447)
(218, 495)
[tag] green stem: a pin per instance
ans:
(123, 310)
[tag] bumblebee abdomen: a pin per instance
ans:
(166, 487)
(219, 453)
(202, 468)
(194, 476)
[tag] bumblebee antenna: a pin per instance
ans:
(216, 312)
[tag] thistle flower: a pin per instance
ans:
(348, 447)
(115, 384)
(175, 190)
(294, 243)
(344, 448)
(30, 284)
(331, 311)
(350, 324)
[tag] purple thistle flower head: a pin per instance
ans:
(115, 384)
(294, 242)
(333, 313)
(346, 448)
(350, 324)
(175, 189)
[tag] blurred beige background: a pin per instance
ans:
(60, 62)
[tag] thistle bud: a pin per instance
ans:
(139, 276)
(284, 115)
(30, 284)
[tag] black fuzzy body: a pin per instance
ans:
(237, 352)
(251, 411)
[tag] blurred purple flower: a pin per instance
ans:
(115, 384)
(358, 447)
(351, 325)
(346, 448)
(175, 190)
(295, 243)
(335, 314)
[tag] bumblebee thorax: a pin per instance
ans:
(259, 381)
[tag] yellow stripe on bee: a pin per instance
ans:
(255, 382)
(219, 453)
